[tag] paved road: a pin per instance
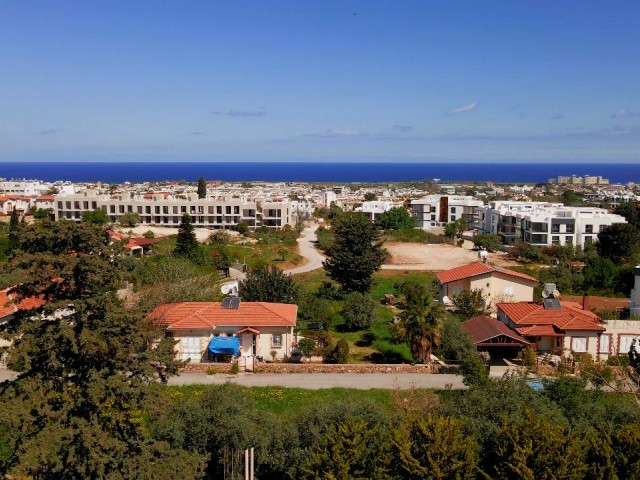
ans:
(306, 243)
(315, 381)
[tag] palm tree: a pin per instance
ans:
(421, 321)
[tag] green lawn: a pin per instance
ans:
(287, 400)
(378, 343)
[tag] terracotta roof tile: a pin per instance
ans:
(206, 315)
(475, 269)
(9, 307)
(570, 316)
(483, 328)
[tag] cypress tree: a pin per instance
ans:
(14, 226)
(186, 243)
(202, 188)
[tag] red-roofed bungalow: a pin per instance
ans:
(498, 284)
(261, 327)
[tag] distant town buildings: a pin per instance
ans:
(541, 223)
(438, 210)
(164, 209)
(575, 180)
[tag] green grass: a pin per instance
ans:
(384, 348)
(283, 401)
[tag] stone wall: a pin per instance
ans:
(315, 368)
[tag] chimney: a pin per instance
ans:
(585, 302)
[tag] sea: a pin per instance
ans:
(320, 172)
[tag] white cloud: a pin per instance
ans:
(625, 112)
(337, 134)
(464, 109)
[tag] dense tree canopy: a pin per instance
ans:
(97, 217)
(397, 218)
(356, 253)
(83, 363)
(618, 242)
(264, 284)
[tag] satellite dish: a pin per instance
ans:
(230, 288)
(545, 293)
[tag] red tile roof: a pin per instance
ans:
(9, 307)
(481, 329)
(208, 315)
(475, 269)
(600, 303)
(46, 198)
(540, 331)
(570, 316)
(140, 242)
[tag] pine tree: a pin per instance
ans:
(202, 188)
(186, 243)
(85, 371)
(268, 285)
(356, 253)
(435, 447)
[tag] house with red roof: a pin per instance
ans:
(9, 306)
(261, 327)
(499, 285)
(555, 326)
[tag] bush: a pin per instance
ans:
(358, 311)
(235, 368)
(219, 237)
(243, 228)
(618, 361)
(149, 234)
(341, 352)
(489, 241)
(529, 358)
(307, 346)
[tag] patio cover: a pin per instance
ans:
(224, 346)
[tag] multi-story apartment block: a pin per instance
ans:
(373, 209)
(438, 210)
(540, 223)
(164, 209)
(24, 188)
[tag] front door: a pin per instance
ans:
(247, 344)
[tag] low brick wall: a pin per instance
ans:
(315, 368)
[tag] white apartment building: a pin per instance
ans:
(373, 209)
(438, 210)
(540, 223)
(163, 209)
(24, 188)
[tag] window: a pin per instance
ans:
(433, 217)
(568, 240)
(276, 340)
(625, 343)
(191, 348)
(578, 344)
(605, 344)
(588, 240)
(555, 240)
(453, 209)
(453, 218)
(588, 229)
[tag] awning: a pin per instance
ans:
(224, 346)
(250, 330)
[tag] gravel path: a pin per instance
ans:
(306, 244)
(315, 381)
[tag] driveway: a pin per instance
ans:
(316, 381)
(306, 244)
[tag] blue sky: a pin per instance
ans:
(320, 80)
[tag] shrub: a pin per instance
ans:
(341, 352)
(618, 360)
(307, 346)
(235, 368)
(489, 241)
(149, 234)
(358, 311)
(529, 358)
(219, 237)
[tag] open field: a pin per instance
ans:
(420, 256)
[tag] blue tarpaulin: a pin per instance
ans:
(225, 346)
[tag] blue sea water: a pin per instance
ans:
(112, 172)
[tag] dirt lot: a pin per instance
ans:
(201, 233)
(420, 256)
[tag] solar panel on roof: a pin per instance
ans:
(551, 303)
(235, 303)
(226, 302)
